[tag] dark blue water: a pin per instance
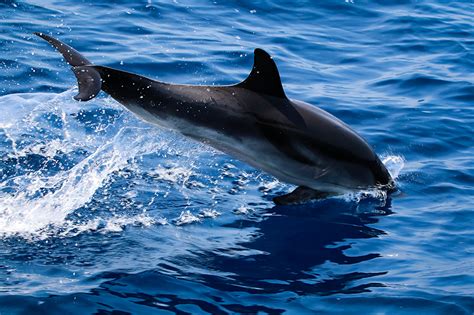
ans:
(102, 213)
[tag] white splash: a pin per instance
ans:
(112, 224)
(394, 164)
(268, 186)
(175, 174)
(186, 217)
(209, 213)
(34, 201)
(242, 210)
(28, 210)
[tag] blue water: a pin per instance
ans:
(102, 213)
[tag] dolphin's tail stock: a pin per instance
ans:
(88, 79)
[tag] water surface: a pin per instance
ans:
(102, 213)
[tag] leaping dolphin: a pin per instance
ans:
(253, 121)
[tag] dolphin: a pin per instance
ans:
(253, 121)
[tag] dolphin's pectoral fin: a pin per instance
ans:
(264, 77)
(301, 194)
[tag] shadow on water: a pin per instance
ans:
(293, 242)
(286, 256)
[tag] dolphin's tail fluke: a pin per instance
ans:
(88, 79)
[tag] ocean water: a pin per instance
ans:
(101, 213)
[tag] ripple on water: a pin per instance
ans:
(101, 211)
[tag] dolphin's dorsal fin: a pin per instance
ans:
(264, 77)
